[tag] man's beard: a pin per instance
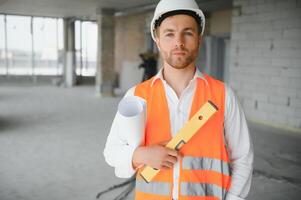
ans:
(180, 62)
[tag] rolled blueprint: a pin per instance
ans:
(131, 120)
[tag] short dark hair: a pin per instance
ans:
(179, 12)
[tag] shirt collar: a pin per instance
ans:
(198, 75)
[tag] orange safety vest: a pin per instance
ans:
(204, 169)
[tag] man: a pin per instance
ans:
(217, 162)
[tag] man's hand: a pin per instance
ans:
(156, 156)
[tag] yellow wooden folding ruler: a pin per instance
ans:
(184, 135)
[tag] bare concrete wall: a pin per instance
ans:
(129, 38)
(130, 41)
(220, 22)
(265, 65)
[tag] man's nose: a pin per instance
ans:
(179, 41)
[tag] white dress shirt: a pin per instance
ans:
(118, 153)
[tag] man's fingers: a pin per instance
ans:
(172, 152)
(171, 159)
(175, 153)
(167, 164)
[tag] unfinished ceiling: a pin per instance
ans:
(86, 9)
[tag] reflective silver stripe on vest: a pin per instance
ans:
(199, 163)
(200, 189)
(158, 188)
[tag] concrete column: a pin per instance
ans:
(105, 75)
(5, 45)
(69, 50)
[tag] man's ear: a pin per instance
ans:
(200, 39)
(157, 41)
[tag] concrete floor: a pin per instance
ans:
(51, 142)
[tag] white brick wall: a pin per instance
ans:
(265, 59)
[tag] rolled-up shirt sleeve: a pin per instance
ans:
(117, 152)
(240, 148)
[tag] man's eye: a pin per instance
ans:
(169, 34)
(188, 33)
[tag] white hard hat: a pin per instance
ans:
(167, 6)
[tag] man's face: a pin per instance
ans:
(178, 40)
